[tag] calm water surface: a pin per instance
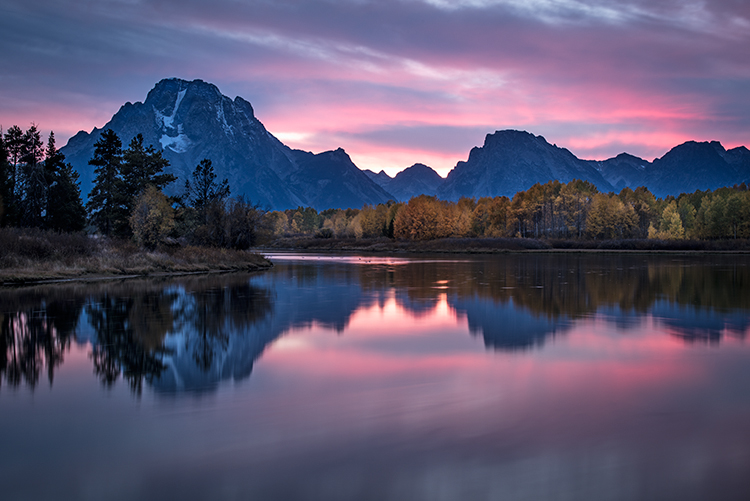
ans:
(581, 377)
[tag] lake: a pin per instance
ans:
(338, 377)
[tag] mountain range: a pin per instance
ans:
(191, 120)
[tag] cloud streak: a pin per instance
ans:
(398, 81)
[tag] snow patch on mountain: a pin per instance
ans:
(223, 119)
(178, 144)
(167, 121)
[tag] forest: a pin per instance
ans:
(571, 211)
(39, 190)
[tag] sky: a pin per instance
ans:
(395, 82)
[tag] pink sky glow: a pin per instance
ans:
(395, 82)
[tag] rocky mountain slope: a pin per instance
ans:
(190, 121)
(511, 161)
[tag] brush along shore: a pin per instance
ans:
(35, 255)
(500, 245)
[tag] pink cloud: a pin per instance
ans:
(594, 77)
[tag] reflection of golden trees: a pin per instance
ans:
(572, 284)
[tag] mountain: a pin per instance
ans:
(418, 179)
(622, 171)
(738, 158)
(331, 180)
(695, 166)
(511, 161)
(190, 121)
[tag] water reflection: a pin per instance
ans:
(190, 334)
(139, 330)
(36, 329)
(490, 377)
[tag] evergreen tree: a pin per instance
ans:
(14, 147)
(5, 181)
(68, 213)
(105, 205)
(32, 180)
(54, 161)
(13, 142)
(204, 190)
(142, 167)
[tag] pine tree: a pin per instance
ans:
(105, 205)
(54, 161)
(142, 167)
(5, 181)
(32, 180)
(205, 190)
(69, 213)
(14, 146)
(13, 140)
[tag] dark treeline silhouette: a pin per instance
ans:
(39, 190)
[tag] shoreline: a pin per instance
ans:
(135, 265)
(94, 277)
(505, 246)
(202, 261)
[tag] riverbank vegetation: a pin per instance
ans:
(28, 255)
(571, 215)
(130, 226)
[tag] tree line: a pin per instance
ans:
(37, 187)
(39, 190)
(553, 210)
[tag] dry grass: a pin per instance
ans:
(28, 255)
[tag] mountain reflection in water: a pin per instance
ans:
(514, 377)
(189, 334)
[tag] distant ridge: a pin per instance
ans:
(192, 120)
(418, 179)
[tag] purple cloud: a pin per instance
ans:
(595, 76)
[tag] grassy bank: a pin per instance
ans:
(494, 245)
(33, 255)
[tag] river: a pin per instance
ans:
(337, 377)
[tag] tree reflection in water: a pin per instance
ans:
(129, 335)
(130, 322)
(192, 333)
(36, 330)
(517, 301)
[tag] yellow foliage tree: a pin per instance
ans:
(152, 218)
(610, 218)
(671, 224)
